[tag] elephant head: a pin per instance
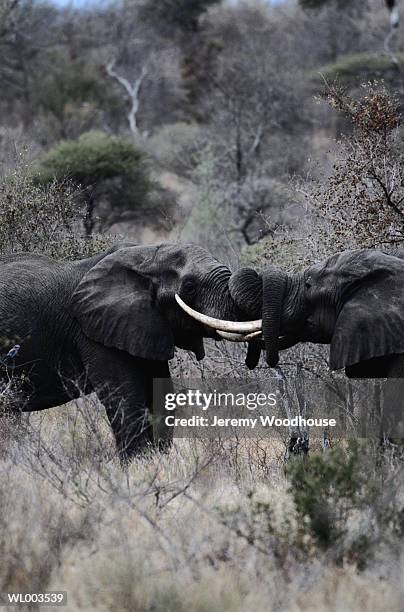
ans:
(130, 299)
(254, 295)
(353, 301)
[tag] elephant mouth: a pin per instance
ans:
(235, 331)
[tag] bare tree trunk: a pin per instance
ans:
(89, 221)
(132, 93)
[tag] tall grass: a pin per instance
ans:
(213, 525)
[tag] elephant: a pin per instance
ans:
(353, 301)
(110, 324)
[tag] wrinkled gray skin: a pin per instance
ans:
(109, 322)
(353, 301)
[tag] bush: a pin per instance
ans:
(331, 490)
(344, 503)
(362, 201)
(45, 219)
(357, 68)
(177, 147)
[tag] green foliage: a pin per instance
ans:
(94, 157)
(316, 4)
(108, 168)
(187, 8)
(343, 502)
(183, 14)
(324, 488)
(330, 489)
(359, 67)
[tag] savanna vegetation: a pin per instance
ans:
(269, 134)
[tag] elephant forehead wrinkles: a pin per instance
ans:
(169, 256)
(177, 259)
(198, 255)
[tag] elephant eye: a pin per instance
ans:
(308, 283)
(188, 288)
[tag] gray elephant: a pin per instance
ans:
(110, 322)
(353, 301)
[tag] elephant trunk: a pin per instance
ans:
(246, 290)
(220, 302)
(261, 293)
(274, 284)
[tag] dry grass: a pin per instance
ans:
(158, 537)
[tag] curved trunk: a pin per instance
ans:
(218, 301)
(246, 290)
(255, 293)
(273, 294)
(245, 287)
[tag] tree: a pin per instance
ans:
(109, 169)
(140, 66)
(132, 91)
(363, 199)
(313, 4)
(252, 110)
(180, 14)
(359, 203)
(71, 96)
(342, 4)
(7, 12)
(27, 29)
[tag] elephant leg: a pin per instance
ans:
(123, 383)
(159, 385)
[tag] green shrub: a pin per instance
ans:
(107, 169)
(360, 67)
(324, 488)
(331, 491)
(344, 503)
(95, 156)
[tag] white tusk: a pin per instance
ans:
(239, 337)
(239, 327)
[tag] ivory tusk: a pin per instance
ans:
(239, 337)
(238, 327)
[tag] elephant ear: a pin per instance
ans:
(114, 304)
(371, 322)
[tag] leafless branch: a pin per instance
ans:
(132, 92)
